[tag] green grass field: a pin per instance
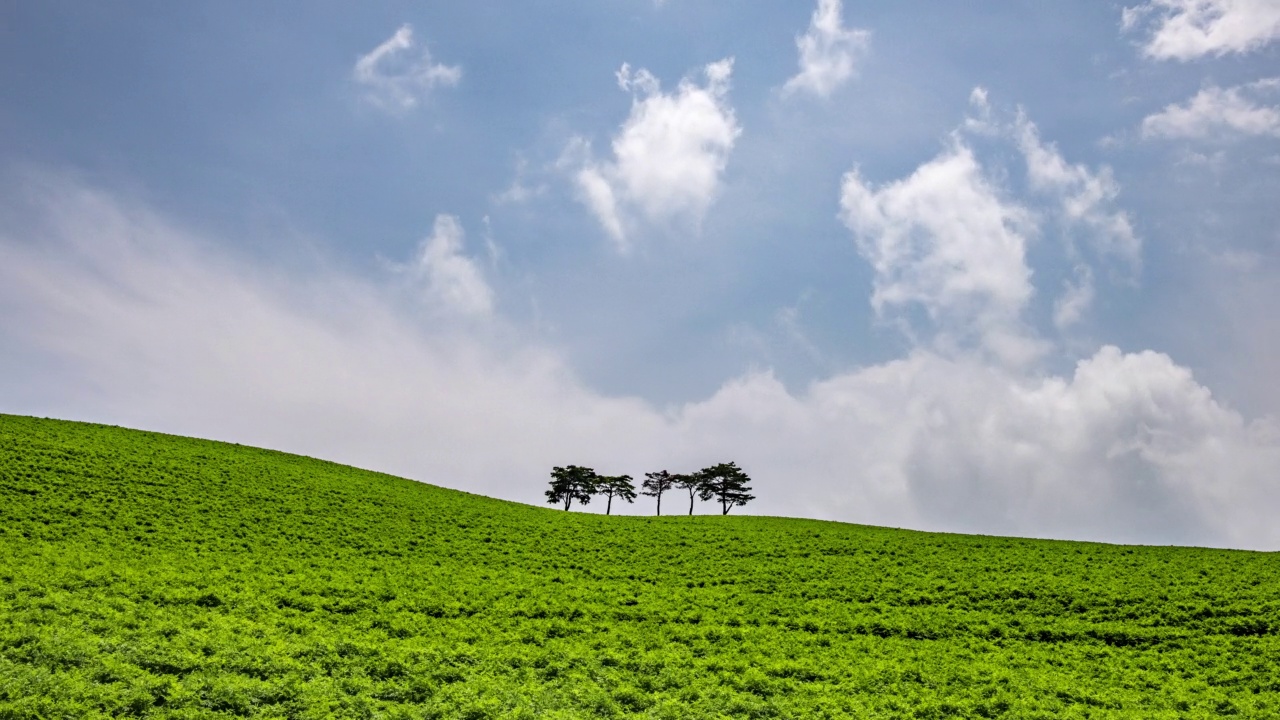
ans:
(145, 575)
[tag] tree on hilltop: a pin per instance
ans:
(692, 483)
(572, 483)
(658, 483)
(619, 486)
(727, 484)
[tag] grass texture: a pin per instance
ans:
(146, 575)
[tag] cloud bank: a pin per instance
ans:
(668, 157)
(112, 312)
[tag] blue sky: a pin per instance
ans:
(1003, 270)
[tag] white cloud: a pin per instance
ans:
(828, 52)
(113, 313)
(945, 240)
(1215, 111)
(1086, 196)
(521, 189)
(454, 284)
(1189, 29)
(1076, 299)
(1128, 448)
(149, 325)
(597, 192)
(981, 122)
(396, 78)
(668, 157)
(952, 241)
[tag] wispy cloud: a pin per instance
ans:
(829, 52)
(452, 282)
(1076, 298)
(668, 157)
(1086, 197)
(396, 76)
(1217, 112)
(1189, 29)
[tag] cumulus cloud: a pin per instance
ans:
(944, 239)
(396, 77)
(1127, 448)
(112, 312)
(453, 282)
(1189, 29)
(1216, 112)
(668, 157)
(951, 239)
(828, 51)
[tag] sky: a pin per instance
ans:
(1008, 269)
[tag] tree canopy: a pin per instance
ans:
(691, 482)
(656, 484)
(727, 483)
(619, 486)
(570, 483)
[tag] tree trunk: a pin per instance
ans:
(566, 503)
(608, 507)
(724, 508)
(659, 504)
(690, 503)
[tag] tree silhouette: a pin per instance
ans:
(619, 486)
(658, 483)
(572, 483)
(692, 483)
(727, 484)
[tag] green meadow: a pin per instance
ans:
(146, 575)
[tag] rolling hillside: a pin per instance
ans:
(146, 575)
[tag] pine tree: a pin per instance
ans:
(727, 484)
(658, 483)
(692, 483)
(572, 483)
(619, 486)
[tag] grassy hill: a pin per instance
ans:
(145, 575)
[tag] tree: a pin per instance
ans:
(658, 483)
(727, 484)
(692, 483)
(619, 486)
(572, 483)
